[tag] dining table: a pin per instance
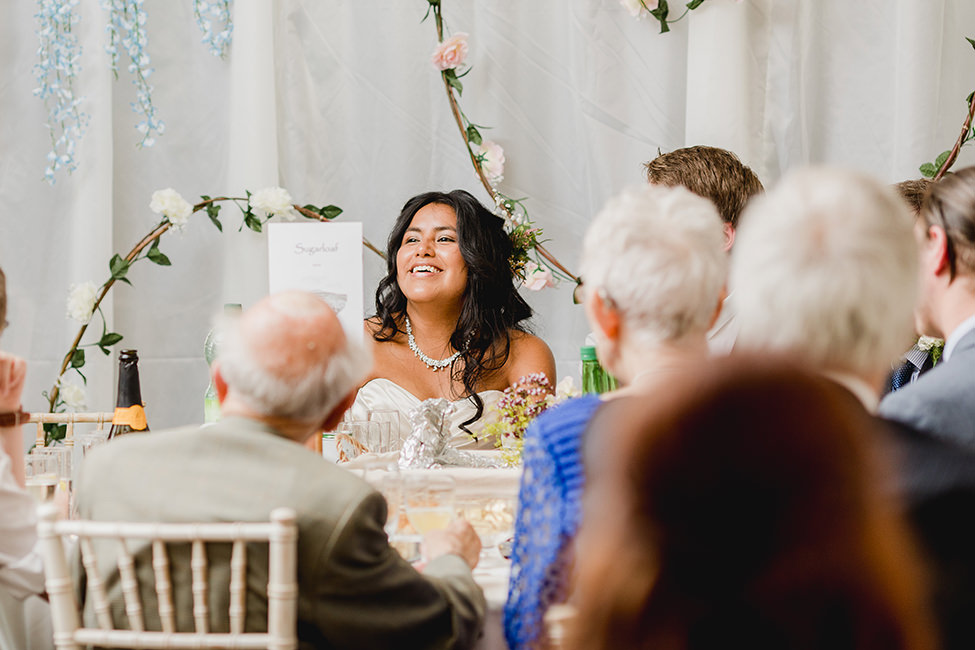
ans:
(481, 493)
(485, 496)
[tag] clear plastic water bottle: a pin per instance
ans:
(594, 378)
(211, 405)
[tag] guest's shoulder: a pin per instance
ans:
(567, 417)
(949, 383)
(136, 445)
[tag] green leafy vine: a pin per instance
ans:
(175, 213)
(524, 234)
(946, 159)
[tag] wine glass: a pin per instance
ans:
(41, 471)
(388, 420)
(428, 500)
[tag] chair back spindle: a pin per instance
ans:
(280, 534)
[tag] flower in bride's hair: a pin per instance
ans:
(171, 205)
(274, 202)
(81, 301)
(72, 394)
(451, 53)
(537, 277)
(491, 157)
(639, 8)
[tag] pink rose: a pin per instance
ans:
(491, 156)
(639, 9)
(537, 277)
(451, 53)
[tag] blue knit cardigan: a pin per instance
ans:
(549, 510)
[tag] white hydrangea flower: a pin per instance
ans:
(171, 205)
(73, 395)
(81, 301)
(273, 201)
(566, 389)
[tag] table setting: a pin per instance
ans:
(427, 483)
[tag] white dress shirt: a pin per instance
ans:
(21, 570)
(724, 333)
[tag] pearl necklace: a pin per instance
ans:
(432, 364)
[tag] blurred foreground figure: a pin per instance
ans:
(21, 571)
(826, 271)
(742, 507)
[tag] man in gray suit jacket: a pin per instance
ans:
(943, 400)
(285, 372)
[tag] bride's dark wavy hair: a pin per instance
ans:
(491, 306)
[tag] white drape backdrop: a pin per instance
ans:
(336, 101)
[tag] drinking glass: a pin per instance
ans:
(491, 517)
(90, 441)
(428, 499)
(61, 463)
(391, 487)
(348, 444)
(372, 436)
(41, 471)
(384, 476)
(389, 421)
(329, 450)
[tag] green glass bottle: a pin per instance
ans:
(129, 414)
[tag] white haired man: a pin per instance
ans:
(286, 372)
(943, 400)
(822, 268)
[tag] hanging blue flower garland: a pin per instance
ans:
(208, 13)
(58, 61)
(59, 57)
(127, 31)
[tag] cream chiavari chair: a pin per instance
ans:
(282, 590)
(69, 419)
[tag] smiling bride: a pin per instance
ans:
(449, 320)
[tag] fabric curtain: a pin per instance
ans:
(336, 100)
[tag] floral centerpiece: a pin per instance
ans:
(519, 405)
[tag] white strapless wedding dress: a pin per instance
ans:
(383, 394)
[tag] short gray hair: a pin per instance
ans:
(311, 396)
(658, 253)
(825, 267)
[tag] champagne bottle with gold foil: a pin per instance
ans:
(129, 413)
